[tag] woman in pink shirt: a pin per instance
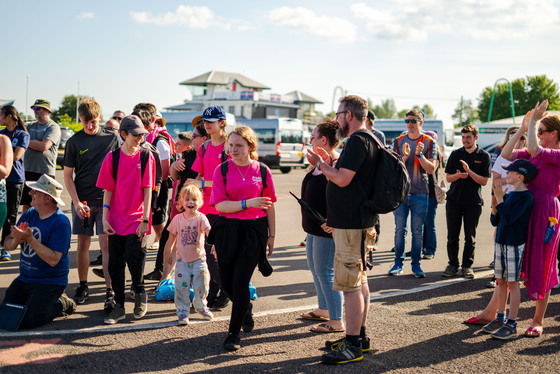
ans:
(211, 154)
(246, 226)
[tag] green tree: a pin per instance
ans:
(65, 120)
(526, 92)
(386, 110)
(465, 114)
(68, 107)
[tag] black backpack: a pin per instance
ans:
(224, 169)
(205, 145)
(145, 150)
(391, 183)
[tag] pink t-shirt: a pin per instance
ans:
(238, 189)
(190, 236)
(127, 202)
(206, 167)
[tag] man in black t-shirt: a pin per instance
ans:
(357, 164)
(85, 152)
(467, 169)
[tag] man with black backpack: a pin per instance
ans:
(357, 165)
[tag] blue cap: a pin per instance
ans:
(213, 114)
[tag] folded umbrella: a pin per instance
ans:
(315, 215)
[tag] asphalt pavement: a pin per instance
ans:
(414, 324)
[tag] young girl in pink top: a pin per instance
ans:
(245, 228)
(186, 241)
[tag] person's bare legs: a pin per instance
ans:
(354, 307)
(104, 246)
(82, 256)
(540, 310)
(365, 293)
(501, 295)
(514, 299)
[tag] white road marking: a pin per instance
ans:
(150, 326)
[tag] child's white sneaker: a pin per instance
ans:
(206, 313)
(183, 319)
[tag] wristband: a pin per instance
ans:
(420, 155)
(145, 221)
(318, 164)
(106, 206)
(202, 184)
(243, 204)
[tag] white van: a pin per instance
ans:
(281, 142)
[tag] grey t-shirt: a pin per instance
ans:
(42, 162)
(418, 176)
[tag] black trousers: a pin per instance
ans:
(456, 215)
(13, 195)
(212, 262)
(126, 250)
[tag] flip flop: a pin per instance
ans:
(313, 317)
(325, 328)
(533, 332)
(476, 321)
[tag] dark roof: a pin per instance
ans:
(223, 78)
(300, 97)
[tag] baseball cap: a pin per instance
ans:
(523, 167)
(213, 114)
(431, 134)
(42, 103)
(133, 124)
(49, 186)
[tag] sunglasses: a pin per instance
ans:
(36, 108)
(413, 121)
(197, 136)
(136, 135)
(118, 118)
(541, 131)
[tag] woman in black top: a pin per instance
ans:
(320, 244)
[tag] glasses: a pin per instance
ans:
(117, 118)
(413, 121)
(344, 111)
(197, 136)
(541, 131)
(137, 135)
(36, 108)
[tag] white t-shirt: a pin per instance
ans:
(164, 150)
(497, 168)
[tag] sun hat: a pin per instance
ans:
(42, 103)
(49, 186)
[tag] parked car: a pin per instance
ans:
(65, 134)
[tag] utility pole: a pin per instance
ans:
(77, 102)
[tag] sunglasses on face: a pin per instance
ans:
(196, 136)
(117, 118)
(413, 121)
(36, 108)
(137, 135)
(541, 131)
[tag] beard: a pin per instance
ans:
(342, 131)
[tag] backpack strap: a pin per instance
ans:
(144, 157)
(224, 169)
(116, 156)
(203, 148)
(262, 168)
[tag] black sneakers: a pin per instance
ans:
(232, 342)
(366, 344)
(153, 276)
(82, 294)
(342, 353)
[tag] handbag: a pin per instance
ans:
(440, 189)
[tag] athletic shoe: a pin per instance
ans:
(109, 301)
(116, 315)
(183, 319)
(417, 270)
(97, 262)
(219, 302)
(468, 273)
(232, 342)
(505, 333)
(206, 313)
(153, 276)
(493, 326)
(140, 304)
(366, 344)
(82, 294)
(427, 256)
(450, 271)
(98, 272)
(343, 353)
(396, 270)
(491, 283)
(248, 321)
(5, 255)
(68, 305)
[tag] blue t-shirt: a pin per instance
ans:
(18, 138)
(53, 232)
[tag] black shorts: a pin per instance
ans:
(30, 177)
(159, 217)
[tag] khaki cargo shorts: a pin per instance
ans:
(349, 273)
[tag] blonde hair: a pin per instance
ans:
(88, 110)
(189, 191)
(250, 137)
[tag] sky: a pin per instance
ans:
(414, 51)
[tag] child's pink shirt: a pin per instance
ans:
(190, 236)
(237, 189)
(127, 203)
(206, 167)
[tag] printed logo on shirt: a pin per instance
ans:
(26, 249)
(477, 162)
(14, 142)
(84, 151)
(257, 179)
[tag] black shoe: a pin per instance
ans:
(153, 276)
(248, 322)
(109, 301)
(221, 301)
(68, 305)
(97, 262)
(82, 294)
(343, 353)
(366, 344)
(407, 254)
(232, 342)
(98, 272)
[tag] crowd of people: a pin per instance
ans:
(210, 204)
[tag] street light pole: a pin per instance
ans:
(333, 97)
(77, 102)
(510, 99)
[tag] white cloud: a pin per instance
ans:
(410, 20)
(196, 17)
(85, 15)
(306, 21)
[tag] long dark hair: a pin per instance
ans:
(10, 110)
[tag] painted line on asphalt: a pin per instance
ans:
(158, 325)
